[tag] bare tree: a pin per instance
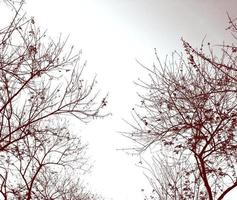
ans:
(41, 82)
(31, 167)
(173, 176)
(190, 107)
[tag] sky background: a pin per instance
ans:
(112, 35)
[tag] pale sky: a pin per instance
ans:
(112, 34)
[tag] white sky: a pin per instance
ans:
(112, 34)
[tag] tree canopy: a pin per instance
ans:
(189, 111)
(41, 86)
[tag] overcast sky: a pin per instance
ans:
(112, 35)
